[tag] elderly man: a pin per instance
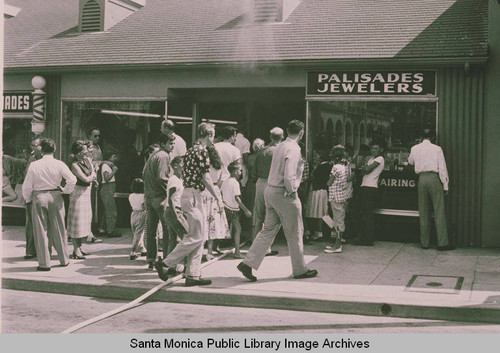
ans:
(167, 128)
(196, 179)
(430, 166)
(283, 207)
(42, 187)
(262, 166)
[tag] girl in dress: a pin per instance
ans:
(318, 198)
(216, 225)
(80, 210)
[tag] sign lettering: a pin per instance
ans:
(383, 83)
(17, 102)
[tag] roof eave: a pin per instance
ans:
(348, 63)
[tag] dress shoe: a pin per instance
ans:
(162, 270)
(78, 257)
(190, 282)
(446, 248)
(94, 240)
(425, 247)
(84, 253)
(307, 274)
(29, 257)
(133, 257)
(144, 253)
(65, 265)
(246, 271)
(43, 268)
(272, 253)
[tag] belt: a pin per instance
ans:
(40, 191)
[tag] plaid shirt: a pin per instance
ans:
(339, 191)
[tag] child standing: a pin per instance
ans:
(317, 205)
(231, 196)
(338, 195)
(137, 218)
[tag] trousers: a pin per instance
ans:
(191, 245)
(108, 221)
(280, 211)
(48, 224)
(431, 196)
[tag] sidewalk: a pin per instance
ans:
(389, 279)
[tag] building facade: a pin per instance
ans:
(352, 71)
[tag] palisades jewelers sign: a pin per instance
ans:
(371, 83)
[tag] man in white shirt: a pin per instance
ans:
(168, 127)
(227, 151)
(283, 207)
(42, 187)
(430, 166)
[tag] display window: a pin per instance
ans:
(127, 128)
(398, 125)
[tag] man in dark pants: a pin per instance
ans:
(155, 177)
(95, 156)
(367, 195)
(35, 155)
(430, 166)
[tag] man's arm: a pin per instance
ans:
(443, 171)
(27, 188)
(291, 181)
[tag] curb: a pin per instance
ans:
(481, 314)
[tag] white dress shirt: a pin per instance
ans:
(47, 174)
(228, 154)
(428, 157)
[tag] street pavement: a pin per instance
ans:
(389, 279)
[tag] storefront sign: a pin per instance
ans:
(371, 83)
(17, 102)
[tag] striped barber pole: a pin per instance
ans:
(38, 122)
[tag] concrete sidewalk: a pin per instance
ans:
(389, 279)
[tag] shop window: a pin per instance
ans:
(397, 125)
(127, 128)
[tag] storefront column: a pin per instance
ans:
(196, 120)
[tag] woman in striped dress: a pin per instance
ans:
(80, 210)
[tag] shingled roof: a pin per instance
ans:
(44, 33)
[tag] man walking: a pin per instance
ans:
(283, 207)
(196, 179)
(263, 161)
(430, 166)
(42, 187)
(155, 177)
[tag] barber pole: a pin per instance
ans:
(38, 122)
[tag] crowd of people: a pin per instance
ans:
(197, 197)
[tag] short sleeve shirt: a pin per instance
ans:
(106, 168)
(338, 191)
(136, 201)
(230, 189)
(175, 182)
(371, 180)
(196, 164)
